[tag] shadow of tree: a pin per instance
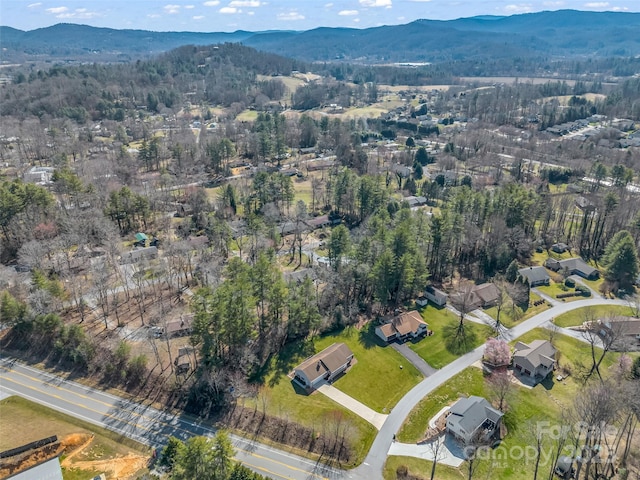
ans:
(281, 364)
(458, 341)
(368, 339)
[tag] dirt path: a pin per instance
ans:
(115, 468)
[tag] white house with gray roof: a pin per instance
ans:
(473, 418)
(535, 275)
(535, 360)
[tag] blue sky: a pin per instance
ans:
(257, 15)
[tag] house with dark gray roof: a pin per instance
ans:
(473, 418)
(535, 360)
(535, 275)
(575, 266)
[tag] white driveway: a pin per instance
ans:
(449, 452)
(374, 418)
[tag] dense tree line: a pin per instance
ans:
(204, 458)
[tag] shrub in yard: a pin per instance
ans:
(570, 282)
(402, 471)
(584, 291)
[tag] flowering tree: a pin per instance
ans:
(497, 352)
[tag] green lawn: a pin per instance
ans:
(555, 289)
(284, 399)
(577, 317)
(467, 382)
(506, 317)
(433, 349)
(376, 379)
(247, 116)
(539, 258)
(418, 468)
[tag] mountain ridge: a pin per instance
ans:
(561, 33)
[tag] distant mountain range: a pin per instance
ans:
(563, 33)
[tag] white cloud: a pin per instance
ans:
(34, 5)
(245, 3)
(57, 10)
(375, 3)
(290, 16)
(229, 10)
(189, 7)
(520, 8)
(356, 20)
(79, 13)
(559, 3)
(251, 13)
(197, 17)
(424, 1)
(328, 5)
(620, 9)
(211, 3)
(347, 13)
(596, 5)
(153, 15)
(172, 9)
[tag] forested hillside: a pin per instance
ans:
(558, 34)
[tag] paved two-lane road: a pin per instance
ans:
(145, 424)
(152, 427)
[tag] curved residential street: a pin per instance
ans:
(152, 427)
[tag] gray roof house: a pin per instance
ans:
(473, 418)
(139, 254)
(324, 366)
(535, 360)
(575, 266)
(535, 275)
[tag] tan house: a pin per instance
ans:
(324, 366)
(402, 327)
(535, 360)
(484, 295)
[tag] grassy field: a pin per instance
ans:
(247, 116)
(539, 258)
(283, 399)
(24, 421)
(577, 317)
(418, 468)
(554, 289)
(506, 318)
(433, 349)
(376, 379)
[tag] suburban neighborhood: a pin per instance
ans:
(360, 251)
